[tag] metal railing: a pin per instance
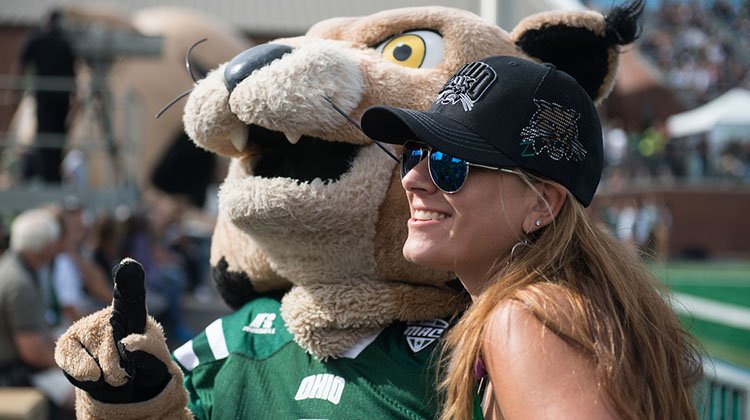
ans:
(725, 394)
(116, 185)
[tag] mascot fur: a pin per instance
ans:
(330, 320)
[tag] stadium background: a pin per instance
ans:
(690, 54)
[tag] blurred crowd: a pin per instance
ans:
(652, 157)
(78, 280)
(55, 267)
(702, 50)
(642, 224)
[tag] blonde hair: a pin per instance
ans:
(595, 294)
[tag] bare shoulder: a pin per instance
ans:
(515, 334)
(535, 373)
(516, 319)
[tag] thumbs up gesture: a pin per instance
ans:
(118, 356)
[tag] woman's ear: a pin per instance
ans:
(549, 199)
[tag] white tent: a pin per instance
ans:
(725, 118)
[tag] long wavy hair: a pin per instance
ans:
(612, 309)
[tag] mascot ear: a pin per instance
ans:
(585, 45)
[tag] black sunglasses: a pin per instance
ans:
(448, 173)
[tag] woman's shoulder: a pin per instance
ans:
(517, 333)
(557, 307)
(536, 311)
(512, 326)
(531, 361)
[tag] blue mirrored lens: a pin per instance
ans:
(410, 157)
(447, 172)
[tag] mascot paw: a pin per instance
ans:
(119, 354)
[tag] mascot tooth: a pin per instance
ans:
(238, 138)
(330, 320)
(293, 138)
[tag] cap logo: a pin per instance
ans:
(553, 129)
(467, 86)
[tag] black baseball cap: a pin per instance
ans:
(507, 112)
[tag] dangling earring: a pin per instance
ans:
(524, 242)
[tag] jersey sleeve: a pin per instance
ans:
(200, 360)
(203, 358)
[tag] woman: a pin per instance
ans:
(565, 320)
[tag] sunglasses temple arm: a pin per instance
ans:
(354, 123)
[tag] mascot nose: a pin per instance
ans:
(250, 60)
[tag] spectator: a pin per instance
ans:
(4, 238)
(651, 145)
(609, 216)
(107, 242)
(75, 170)
(625, 230)
(166, 280)
(615, 143)
(49, 54)
(696, 163)
(731, 164)
(646, 220)
(76, 284)
(26, 346)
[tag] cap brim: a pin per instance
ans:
(398, 125)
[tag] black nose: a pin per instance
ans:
(250, 60)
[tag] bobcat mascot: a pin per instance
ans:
(330, 320)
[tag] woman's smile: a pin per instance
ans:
(427, 215)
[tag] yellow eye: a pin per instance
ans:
(414, 49)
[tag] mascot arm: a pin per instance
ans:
(118, 358)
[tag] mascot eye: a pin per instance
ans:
(415, 49)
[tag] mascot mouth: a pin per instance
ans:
(308, 159)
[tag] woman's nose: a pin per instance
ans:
(246, 62)
(418, 179)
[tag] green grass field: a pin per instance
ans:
(720, 282)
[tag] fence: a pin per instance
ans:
(726, 392)
(117, 177)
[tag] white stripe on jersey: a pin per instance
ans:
(215, 335)
(186, 356)
(362, 344)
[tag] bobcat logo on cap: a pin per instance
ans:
(553, 129)
(467, 86)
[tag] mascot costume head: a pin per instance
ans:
(311, 210)
(312, 202)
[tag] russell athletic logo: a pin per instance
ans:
(323, 386)
(467, 86)
(262, 324)
(421, 334)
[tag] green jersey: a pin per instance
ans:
(247, 366)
